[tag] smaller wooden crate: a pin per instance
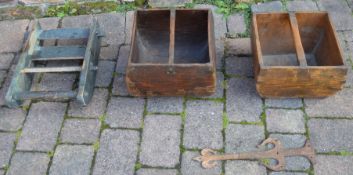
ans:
(172, 53)
(296, 55)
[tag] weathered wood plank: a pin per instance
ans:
(51, 69)
(46, 95)
(89, 71)
(57, 58)
(22, 82)
(65, 33)
(60, 51)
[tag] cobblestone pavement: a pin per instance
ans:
(121, 135)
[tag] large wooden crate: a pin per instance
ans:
(172, 53)
(296, 55)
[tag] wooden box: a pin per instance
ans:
(172, 53)
(296, 55)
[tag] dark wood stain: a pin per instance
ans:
(172, 53)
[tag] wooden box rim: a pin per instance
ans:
(299, 48)
(210, 37)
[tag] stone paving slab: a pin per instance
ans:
(243, 102)
(42, 126)
(56, 82)
(236, 24)
(28, 163)
(219, 53)
(105, 73)
(150, 171)
(119, 86)
(339, 105)
(301, 5)
(284, 103)
(191, 167)
(275, 6)
(6, 60)
(160, 143)
(165, 104)
(3, 75)
(287, 173)
(80, 131)
(239, 66)
(12, 34)
(203, 125)
(241, 167)
(238, 46)
(94, 109)
(129, 19)
(243, 138)
(328, 165)
(125, 112)
(113, 25)
(7, 142)
(340, 13)
(123, 59)
(5, 86)
(11, 119)
(117, 153)
(72, 159)
(170, 3)
(285, 121)
(331, 135)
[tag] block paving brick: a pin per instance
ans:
(11, 119)
(80, 131)
(240, 167)
(284, 103)
(165, 104)
(6, 60)
(42, 126)
(119, 86)
(94, 109)
(151, 171)
(162, 149)
(125, 112)
(301, 5)
(12, 34)
(331, 135)
(339, 105)
(28, 163)
(7, 142)
(105, 73)
(239, 66)
(203, 125)
(285, 121)
(117, 152)
(243, 138)
(72, 159)
(328, 165)
(243, 102)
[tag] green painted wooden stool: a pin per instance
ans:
(34, 51)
